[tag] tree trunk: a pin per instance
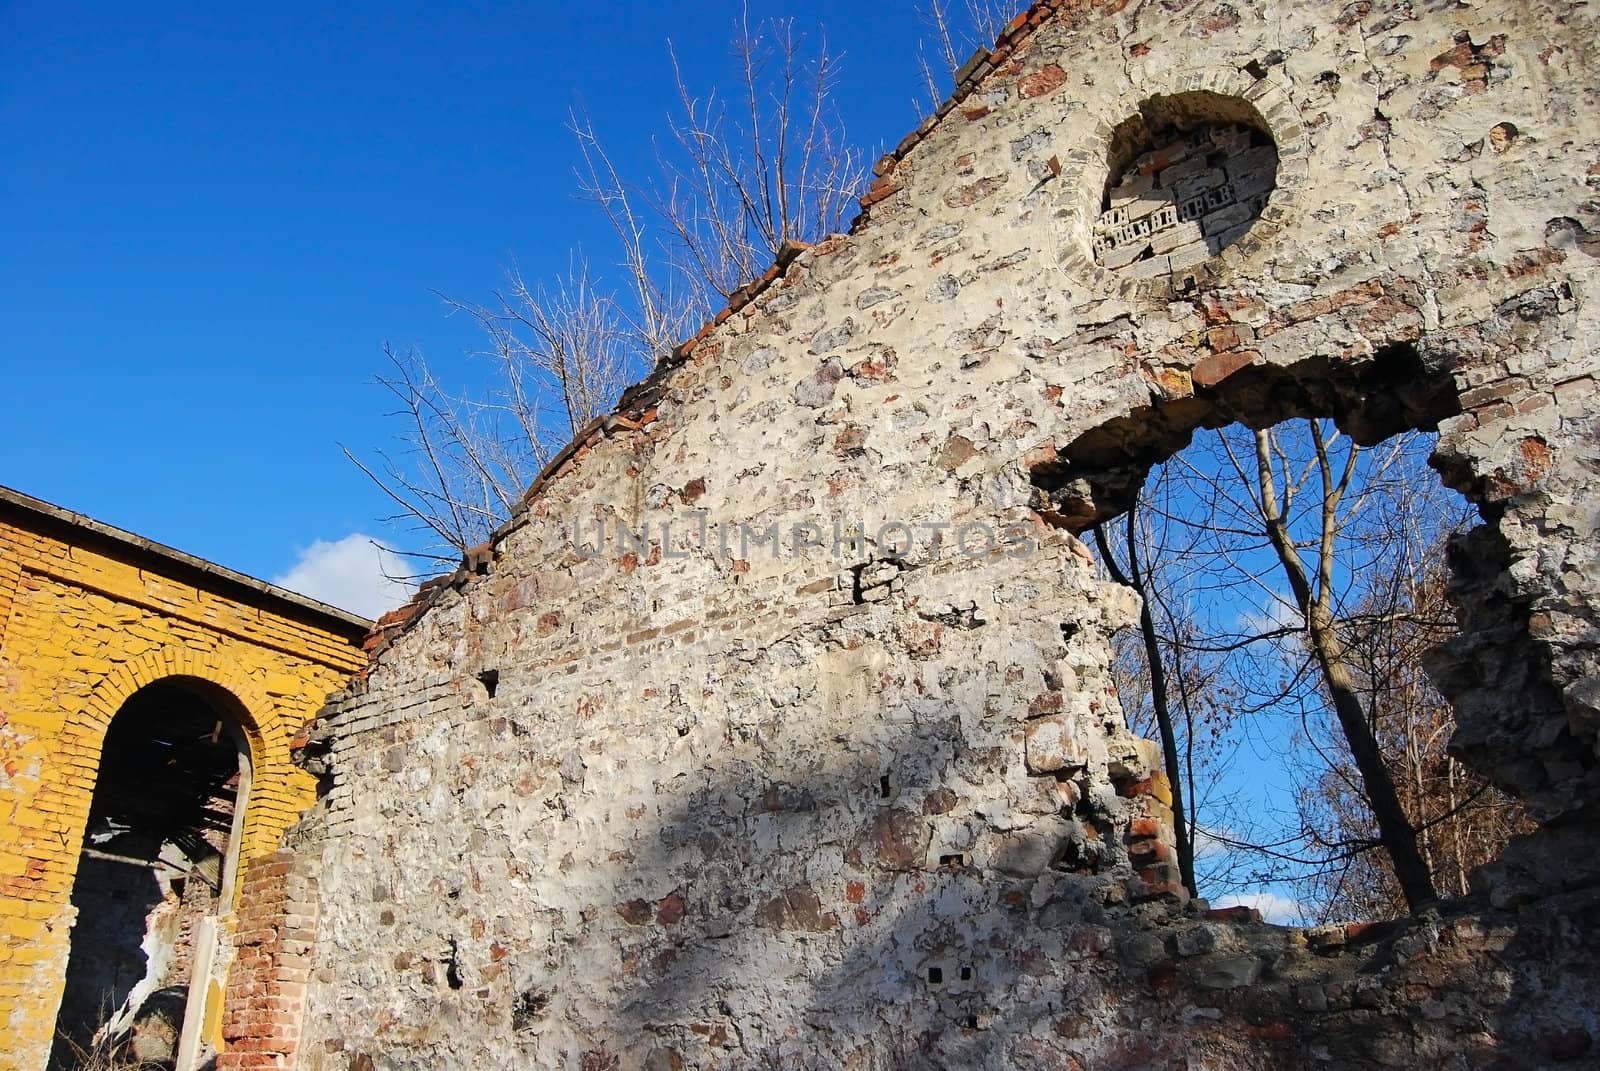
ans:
(1394, 828)
(1395, 832)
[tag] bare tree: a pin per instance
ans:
(737, 176)
(1260, 552)
(1156, 666)
(1173, 678)
(558, 355)
(1462, 821)
(1311, 585)
(734, 178)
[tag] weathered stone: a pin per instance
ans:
(1168, 240)
(1252, 162)
(1052, 745)
(1044, 81)
(797, 908)
(876, 295)
(1212, 370)
(1230, 972)
(899, 840)
(1144, 207)
(1226, 218)
(816, 390)
(1154, 267)
(972, 193)
(1143, 949)
(663, 1059)
(1028, 853)
(1325, 937)
(832, 338)
(634, 912)
(1131, 188)
(1198, 183)
(1188, 256)
(1195, 941)
(1124, 255)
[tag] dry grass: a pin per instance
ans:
(107, 1056)
(106, 1053)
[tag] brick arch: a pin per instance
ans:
(277, 788)
(272, 774)
(109, 694)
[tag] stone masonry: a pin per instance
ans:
(705, 763)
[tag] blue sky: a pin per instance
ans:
(215, 216)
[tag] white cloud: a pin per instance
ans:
(354, 573)
(1276, 615)
(1284, 910)
(1207, 846)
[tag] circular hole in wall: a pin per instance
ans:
(1189, 175)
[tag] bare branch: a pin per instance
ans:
(730, 185)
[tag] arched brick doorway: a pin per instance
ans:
(158, 863)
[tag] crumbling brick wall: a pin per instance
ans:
(270, 964)
(686, 802)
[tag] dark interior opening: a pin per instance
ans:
(1188, 176)
(152, 866)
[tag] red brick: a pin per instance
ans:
(635, 912)
(669, 912)
(1143, 827)
(1144, 852)
(1210, 371)
(1277, 1030)
(883, 188)
(1224, 338)
(1043, 82)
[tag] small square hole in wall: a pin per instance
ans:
(489, 680)
(966, 974)
(885, 789)
(953, 861)
(935, 975)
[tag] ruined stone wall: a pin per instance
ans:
(698, 804)
(85, 622)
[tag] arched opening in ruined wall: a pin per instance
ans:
(158, 864)
(1100, 486)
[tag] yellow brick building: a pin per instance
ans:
(90, 617)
